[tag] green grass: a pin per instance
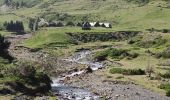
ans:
(120, 13)
(47, 36)
(5, 33)
(127, 71)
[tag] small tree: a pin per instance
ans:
(4, 45)
(14, 26)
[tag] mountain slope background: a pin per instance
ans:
(123, 14)
(126, 16)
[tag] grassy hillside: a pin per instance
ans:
(124, 15)
(121, 13)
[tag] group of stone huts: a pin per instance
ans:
(85, 25)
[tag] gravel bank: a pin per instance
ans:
(114, 90)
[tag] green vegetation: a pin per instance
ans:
(165, 53)
(148, 13)
(116, 70)
(150, 20)
(115, 54)
(166, 87)
(14, 26)
(127, 71)
(4, 45)
(44, 37)
(24, 77)
(147, 41)
(166, 75)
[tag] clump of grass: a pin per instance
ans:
(168, 93)
(152, 43)
(119, 77)
(101, 56)
(164, 54)
(166, 75)
(166, 87)
(134, 72)
(127, 71)
(114, 54)
(117, 70)
(147, 42)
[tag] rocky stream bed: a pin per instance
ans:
(82, 84)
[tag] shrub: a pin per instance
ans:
(134, 72)
(116, 70)
(140, 2)
(79, 24)
(114, 54)
(101, 56)
(165, 87)
(70, 24)
(165, 30)
(117, 53)
(127, 71)
(166, 75)
(131, 41)
(27, 70)
(153, 42)
(168, 93)
(4, 45)
(165, 53)
(134, 55)
(119, 77)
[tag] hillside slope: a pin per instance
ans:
(123, 14)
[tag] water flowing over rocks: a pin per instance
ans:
(76, 84)
(74, 93)
(110, 90)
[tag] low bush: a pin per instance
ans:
(114, 54)
(127, 71)
(117, 53)
(134, 72)
(117, 70)
(133, 55)
(4, 45)
(131, 41)
(168, 93)
(166, 87)
(166, 75)
(119, 77)
(149, 41)
(165, 30)
(165, 53)
(101, 56)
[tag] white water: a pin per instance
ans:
(73, 93)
